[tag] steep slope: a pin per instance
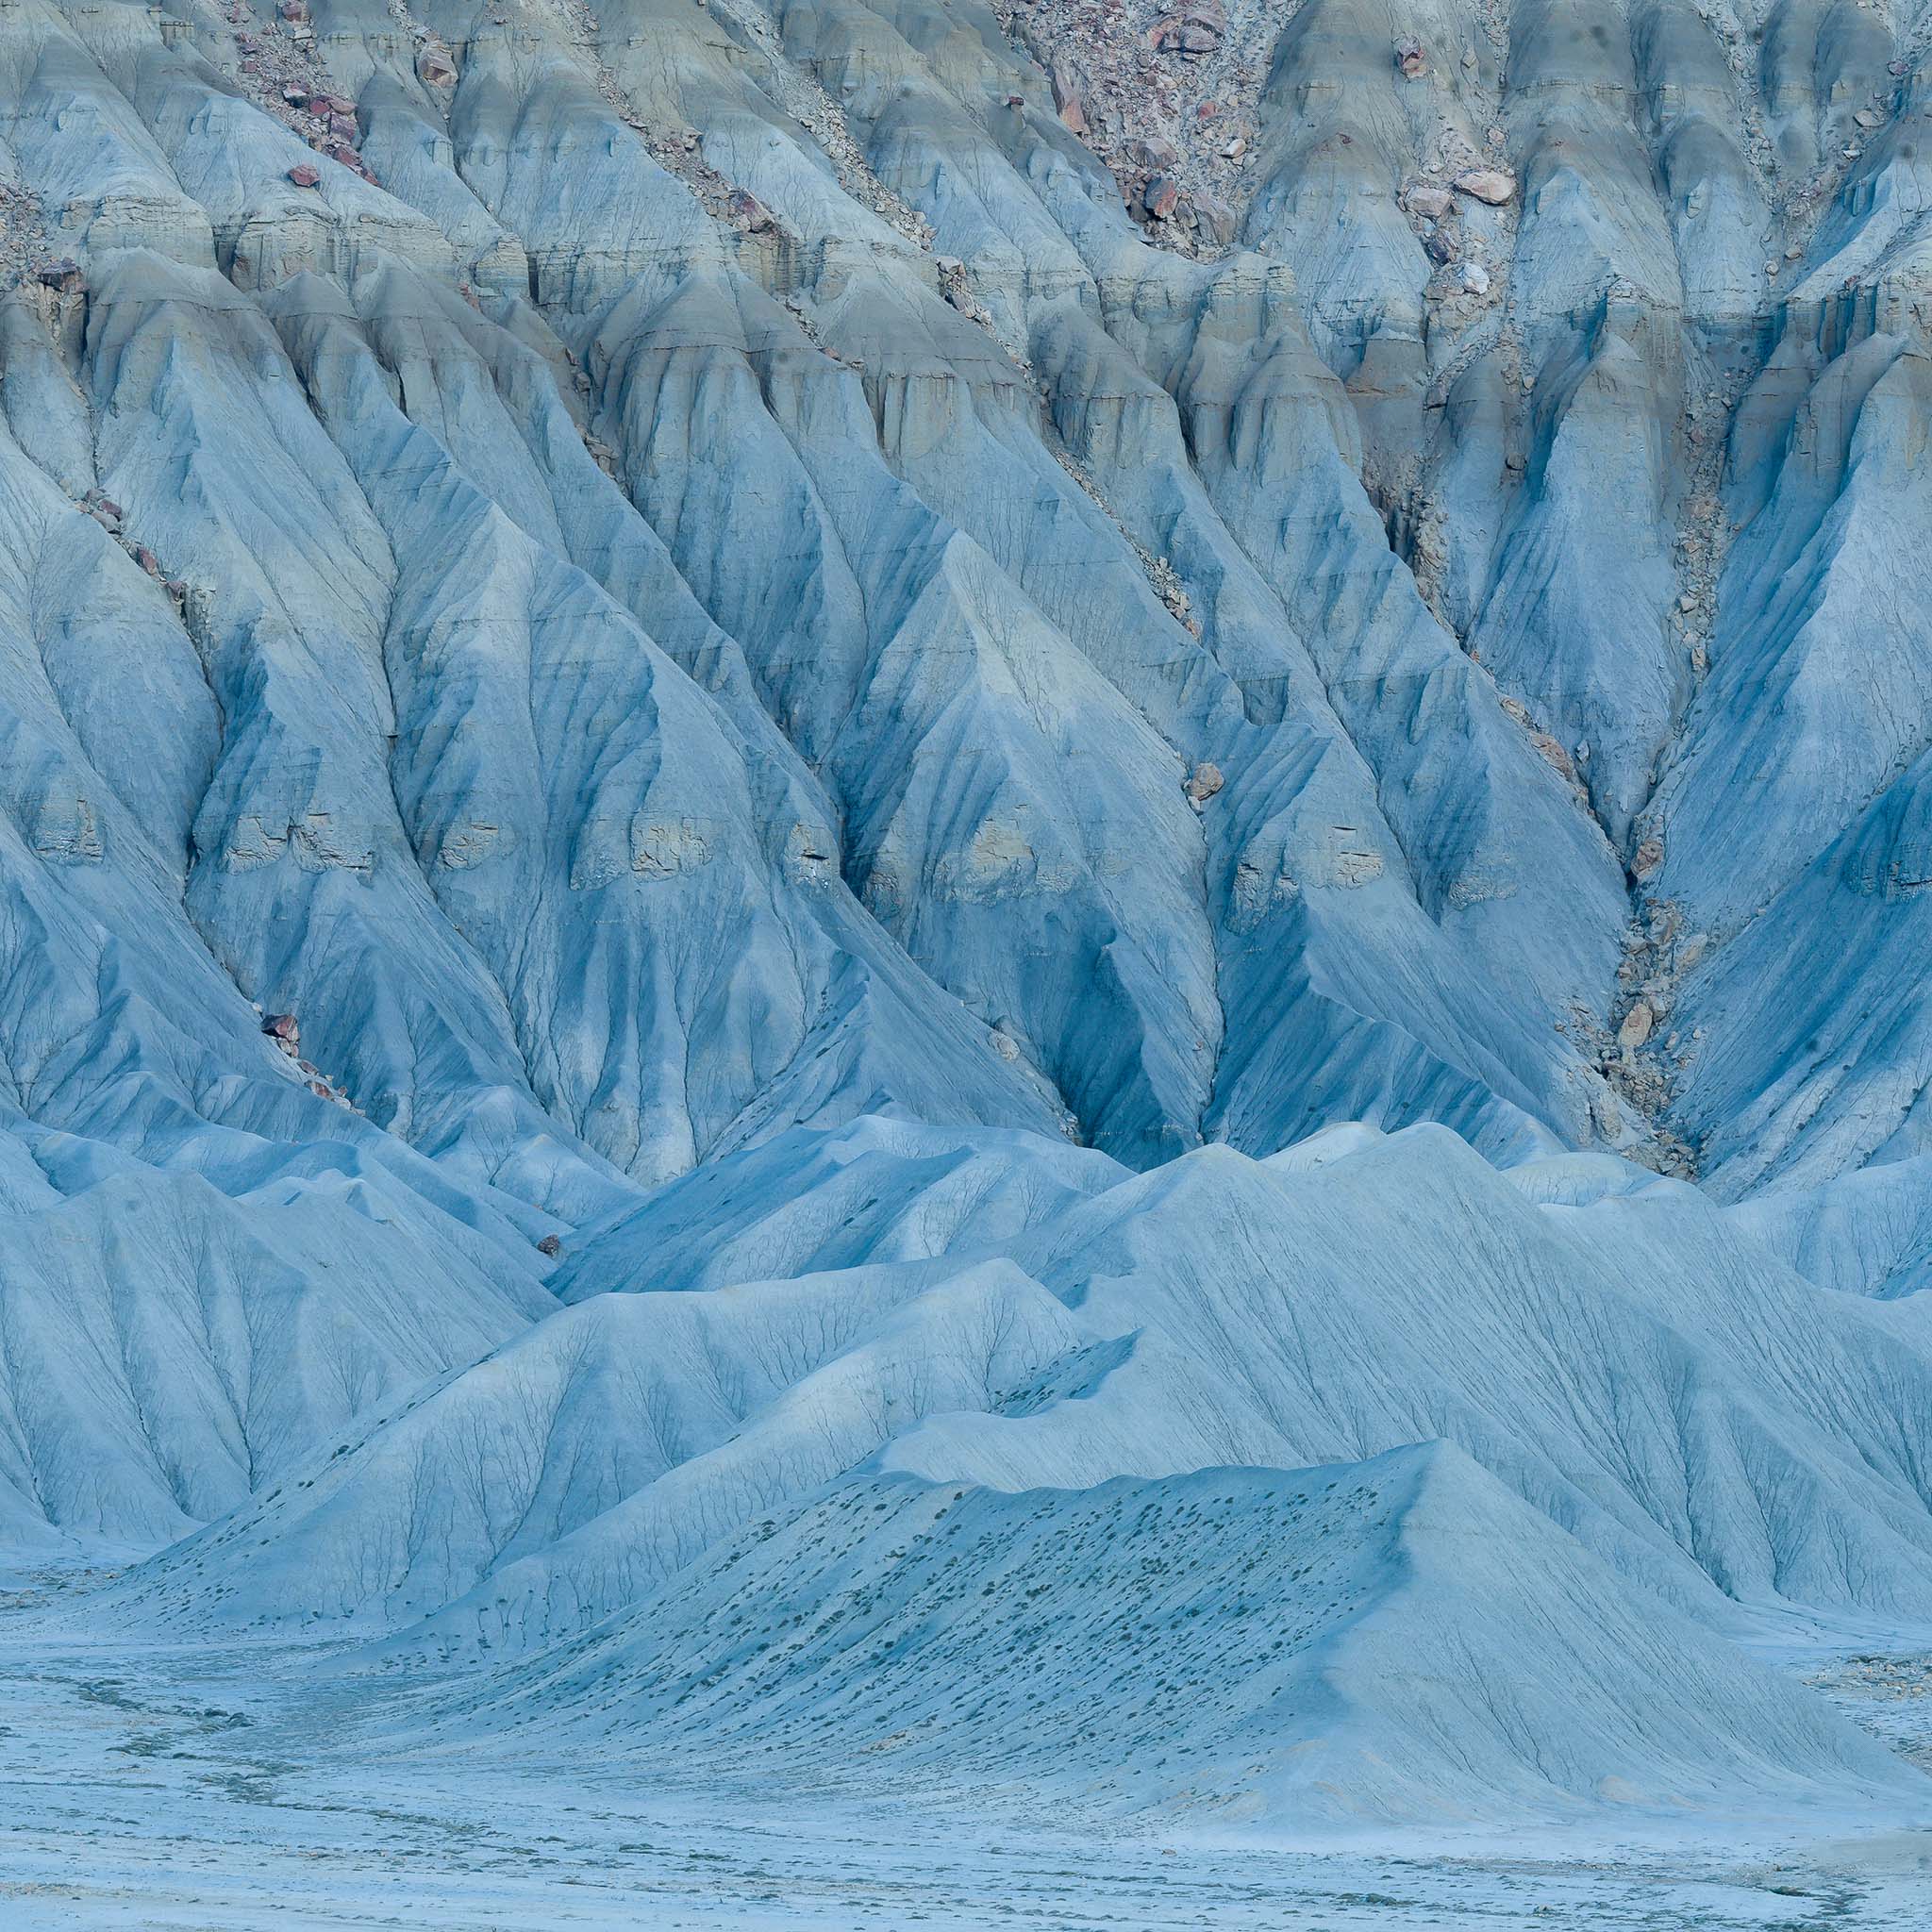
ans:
(836, 361)
(1722, 1433)
(808, 1202)
(889, 759)
(1391, 1641)
(1633, 1358)
(980, 572)
(166, 1349)
(1866, 1232)
(609, 1446)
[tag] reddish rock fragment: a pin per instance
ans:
(749, 213)
(1066, 101)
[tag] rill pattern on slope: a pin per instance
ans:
(1297, 700)
(839, 730)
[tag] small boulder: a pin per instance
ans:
(1150, 152)
(1494, 186)
(1649, 857)
(283, 1029)
(1636, 1026)
(305, 174)
(1160, 197)
(749, 213)
(1216, 218)
(1182, 34)
(550, 1245)
(434, 66)
(1206, 781)
(1409, 57)
(1430, 200)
